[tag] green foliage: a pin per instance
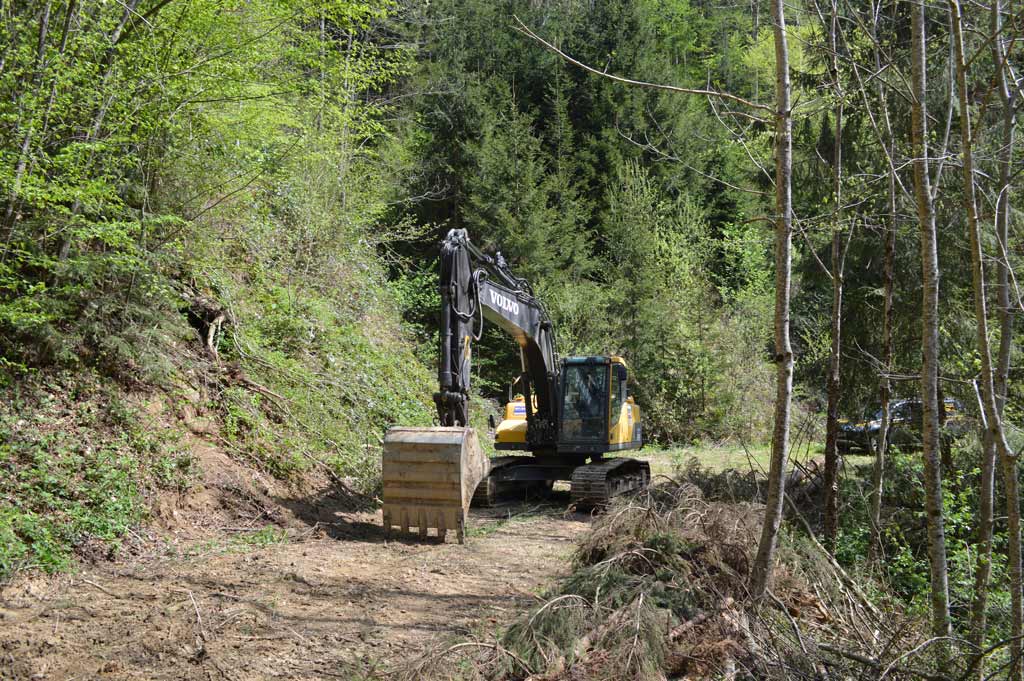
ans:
(604, 198)
(239, 152)
(904, 564)
(76, 462)
(340, 380)
(262, 537)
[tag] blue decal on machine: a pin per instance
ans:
(519, 409)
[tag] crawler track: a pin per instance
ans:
(595, 484)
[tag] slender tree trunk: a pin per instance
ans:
(929, 331)
(831, 473)
(885, 387)
(1003, 78)
(983, 547)
(96, 125)
(762, 569)
(986, 491)
(69, 15)
(888, 271)
(986, 483)
(1013, 559)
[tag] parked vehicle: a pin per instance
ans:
(906, 418)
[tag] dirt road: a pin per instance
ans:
(339, 602)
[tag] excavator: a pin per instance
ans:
(568, 414)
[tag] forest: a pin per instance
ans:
(791, 220)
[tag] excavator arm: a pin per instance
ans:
(474, 287)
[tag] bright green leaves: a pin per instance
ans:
(343, 377)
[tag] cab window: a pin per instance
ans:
(584, 401)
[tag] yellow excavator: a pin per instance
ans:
(570, 412)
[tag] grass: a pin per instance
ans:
(265, 536)
(718, 457)
(243, 542)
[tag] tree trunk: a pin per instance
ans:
(888, 270)
(96, 125)
(831, 473)
(986, 488)
(9, 217)
(762, 569)
(983, 547)
(1007, 96)
(929, 332)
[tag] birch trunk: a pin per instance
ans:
(983, 545)
(831, 473)
(929, 332)
(885, 387)
(762, 569)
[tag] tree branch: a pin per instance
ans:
(522, 28)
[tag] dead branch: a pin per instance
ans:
(869, 661)
(101, 588)
(563, 597)
(199, 618)
(479, 644)
(844, 577)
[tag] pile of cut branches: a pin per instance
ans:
(659, 591)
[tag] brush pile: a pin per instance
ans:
(659, 591)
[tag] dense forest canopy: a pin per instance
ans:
(273, 178)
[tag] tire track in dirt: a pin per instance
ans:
(339, 603)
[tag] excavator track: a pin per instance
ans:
(486, 494)
(501, 483)
(596, 484)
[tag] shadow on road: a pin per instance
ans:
(342, 514)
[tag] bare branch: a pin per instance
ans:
(525, 30)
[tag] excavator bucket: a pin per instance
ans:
(430, 475)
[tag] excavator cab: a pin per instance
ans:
(598, 414)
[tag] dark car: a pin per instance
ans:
(906, 417)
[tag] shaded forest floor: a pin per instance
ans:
(336, 601)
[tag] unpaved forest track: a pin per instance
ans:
(341, 604)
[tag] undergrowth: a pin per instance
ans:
(338, 369)
(77, 461)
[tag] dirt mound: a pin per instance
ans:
(230, 493)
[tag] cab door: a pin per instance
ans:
(623, 414)
(585, 405)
